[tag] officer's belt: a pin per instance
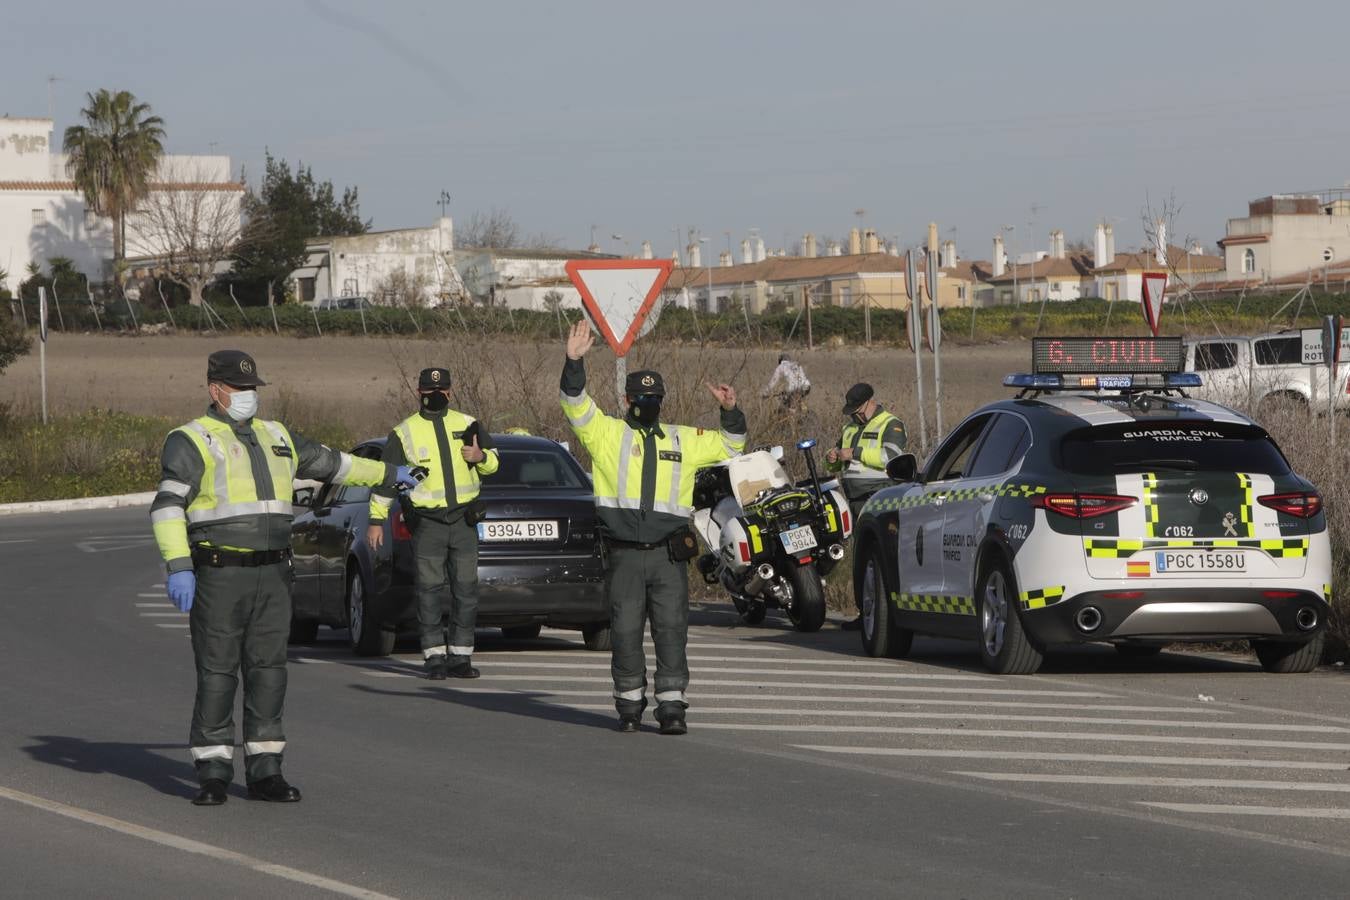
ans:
(217, 558)
(637, 545)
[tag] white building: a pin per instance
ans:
(378, 263)
(1288, 234)
(521, 278)
(42, 215)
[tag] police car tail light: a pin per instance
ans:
(1084, 506)
(400, 527)
(1302, 504)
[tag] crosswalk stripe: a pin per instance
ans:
(156, 594)
(1103, 737)
(1238, 810)
(896, 714)
(171, 625)
(500, 655)
(1147, 781)
(702, 696)
(172, 615)
(153, 605)
(725, 670)
(1111, 759)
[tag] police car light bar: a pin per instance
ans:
(1027, 381)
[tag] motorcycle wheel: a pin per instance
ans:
(807, 610)
(754, 612)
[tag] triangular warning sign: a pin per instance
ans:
(1155, 285)
(619, 294)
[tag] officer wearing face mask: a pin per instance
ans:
(644, 488)
(872, 438)
(455, 450)
(222, 520)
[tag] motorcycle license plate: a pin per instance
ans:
(798, 539)
(1180, 562)
(518, 530)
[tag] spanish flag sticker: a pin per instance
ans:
(1139, 569)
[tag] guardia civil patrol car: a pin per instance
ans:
(1099, 504)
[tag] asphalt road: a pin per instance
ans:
(809, 769)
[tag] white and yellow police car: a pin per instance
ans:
(1100, 504)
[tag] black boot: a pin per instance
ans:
(630, 715)
(213, 793)
(671, 716)
(273, 789)
(435, 667)
(463, 668)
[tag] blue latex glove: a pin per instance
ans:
(403, 477)
(182, 588)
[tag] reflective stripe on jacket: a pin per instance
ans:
(417, 435)
(876, 443)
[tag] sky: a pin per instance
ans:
(640, 119)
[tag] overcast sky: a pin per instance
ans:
(787, 117)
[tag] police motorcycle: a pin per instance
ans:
(770, 542)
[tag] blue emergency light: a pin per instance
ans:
(806, 444)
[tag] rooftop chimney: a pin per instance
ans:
(854, 242)
(646, 249)
(870, 242)
(1057, 244)
(759, 249)
(724, 258)
(593, 248)
(694, 253)
(832, 249)
(1110, 245)
(1099, 247)
(948, 254)
(746, 256)
(1000, 260)
(809, 245)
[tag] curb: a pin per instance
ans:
(81, 503)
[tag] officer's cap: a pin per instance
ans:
(233, 367)
(434, 380)
(857, 395)
(644, 382)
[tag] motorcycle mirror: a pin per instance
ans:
(806, 444)
(903, 467)
(776, 451)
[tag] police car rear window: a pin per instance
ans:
(1185, 446)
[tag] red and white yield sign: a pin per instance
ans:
(1155, 285)
(619, 295)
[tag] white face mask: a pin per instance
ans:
(243, 405)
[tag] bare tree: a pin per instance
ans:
(498, 230)
(398, 288)
(190, 230)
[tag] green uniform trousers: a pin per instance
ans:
(645, 583)
(240, 621)
(445, 552)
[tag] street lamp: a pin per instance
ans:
(704, 240)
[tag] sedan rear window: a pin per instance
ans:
(1185, 446)
(534, 469)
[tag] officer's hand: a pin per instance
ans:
(471, 452)
(725, 394)
(182, 587)
(375, 537)
(580, 339)
(832, 455)
(845, 454)
(403, 477)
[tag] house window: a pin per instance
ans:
(39, 218)
(1005, 296)
(1033, 295)
(1248, 261)
(960, 292)
(845, 295)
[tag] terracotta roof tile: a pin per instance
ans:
(163, 186)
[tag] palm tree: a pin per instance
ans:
(113, 156)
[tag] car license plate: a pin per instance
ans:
(518, 530)
(1174, 562)
(798, 539)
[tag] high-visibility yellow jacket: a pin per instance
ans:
(644, 478)
(876, 443)
(228, 484)
(434, 440)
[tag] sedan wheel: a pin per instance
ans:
(1004, 645)
(366, 636)
(881, 636)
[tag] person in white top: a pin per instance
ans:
(795, 383)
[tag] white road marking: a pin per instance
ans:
(1111, 759)
(896, 714)
(502, 655)
(1315, 747)
(312, 660)
(604, 664)
(153, 605)
(20, 541)
(1235, 810)
(1145, 781)
(814, 698)
(159, 594)
(172, 615)
(172, 625)
(187, 845)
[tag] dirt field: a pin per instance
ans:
(362, 383)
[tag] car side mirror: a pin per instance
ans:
(903, 467)
(303, 497)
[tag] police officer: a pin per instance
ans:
(644, 487)
(222, 519)
(455, 450)
(871, 438)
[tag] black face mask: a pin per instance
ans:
(860, 417)
(646, 410)
(436, 401)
